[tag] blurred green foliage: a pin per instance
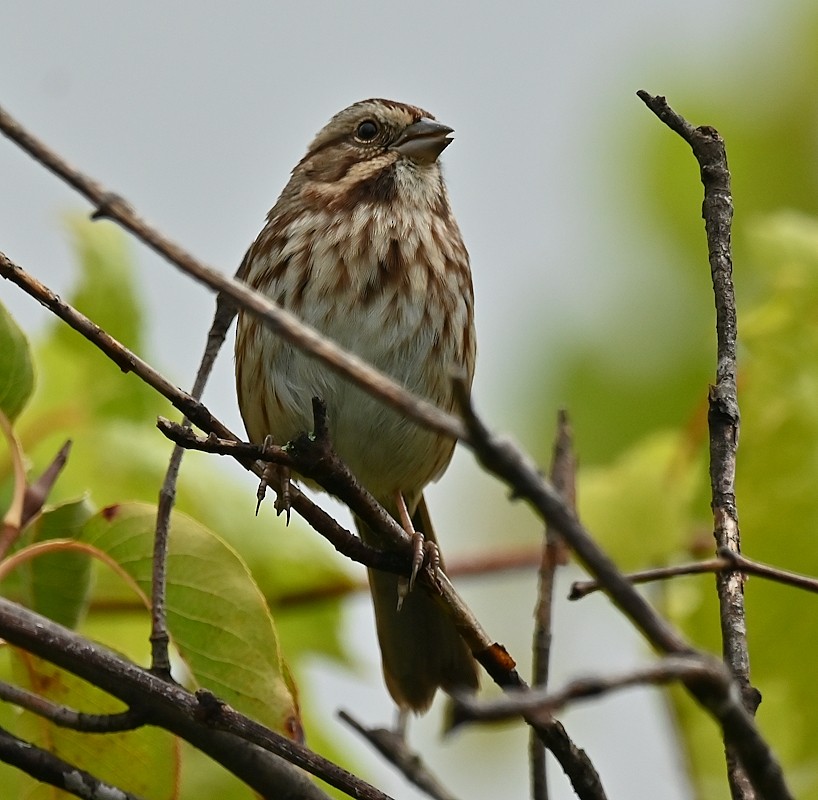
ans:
(650, 506)
(647, 366)
(641, 419)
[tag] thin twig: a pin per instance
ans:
(705, 672)
(563, 476)
(394, 748)
(503, 458)
(67, 717)
(540, 700)
(723, 414)
(727, 561)
(160, 662)
(494, 562)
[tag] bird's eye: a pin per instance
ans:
(367, 130)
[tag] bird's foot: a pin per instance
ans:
(277, 477)
(423, 552)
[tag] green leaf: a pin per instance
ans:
(284, 561)
(16, 370)
(59, 582)
(217, 617)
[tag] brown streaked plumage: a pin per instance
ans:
(363, 246)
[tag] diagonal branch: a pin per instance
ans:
(541, 700)
(392, 745)
(159, 638)
(502, 458)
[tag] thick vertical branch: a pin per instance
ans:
(723, 415)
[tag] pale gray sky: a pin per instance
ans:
(196, 112)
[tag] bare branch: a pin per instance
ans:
(160, 662)
(723, 415)
(563, 476)
(67, 717)
(727, 561)
(502, 458)
(540, 700)
(705, 672)
(394, 748)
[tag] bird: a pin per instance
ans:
(363, 246)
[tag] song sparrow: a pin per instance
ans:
(363, 246)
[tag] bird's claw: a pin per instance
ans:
(282, 501)
(418, 556)
(264, 482)
(279, 478)
(424, 552)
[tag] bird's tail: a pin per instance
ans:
(421, 649)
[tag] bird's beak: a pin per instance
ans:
(423, 141)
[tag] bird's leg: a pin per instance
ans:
(401, 723)
(422, 550)
(278, 478)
